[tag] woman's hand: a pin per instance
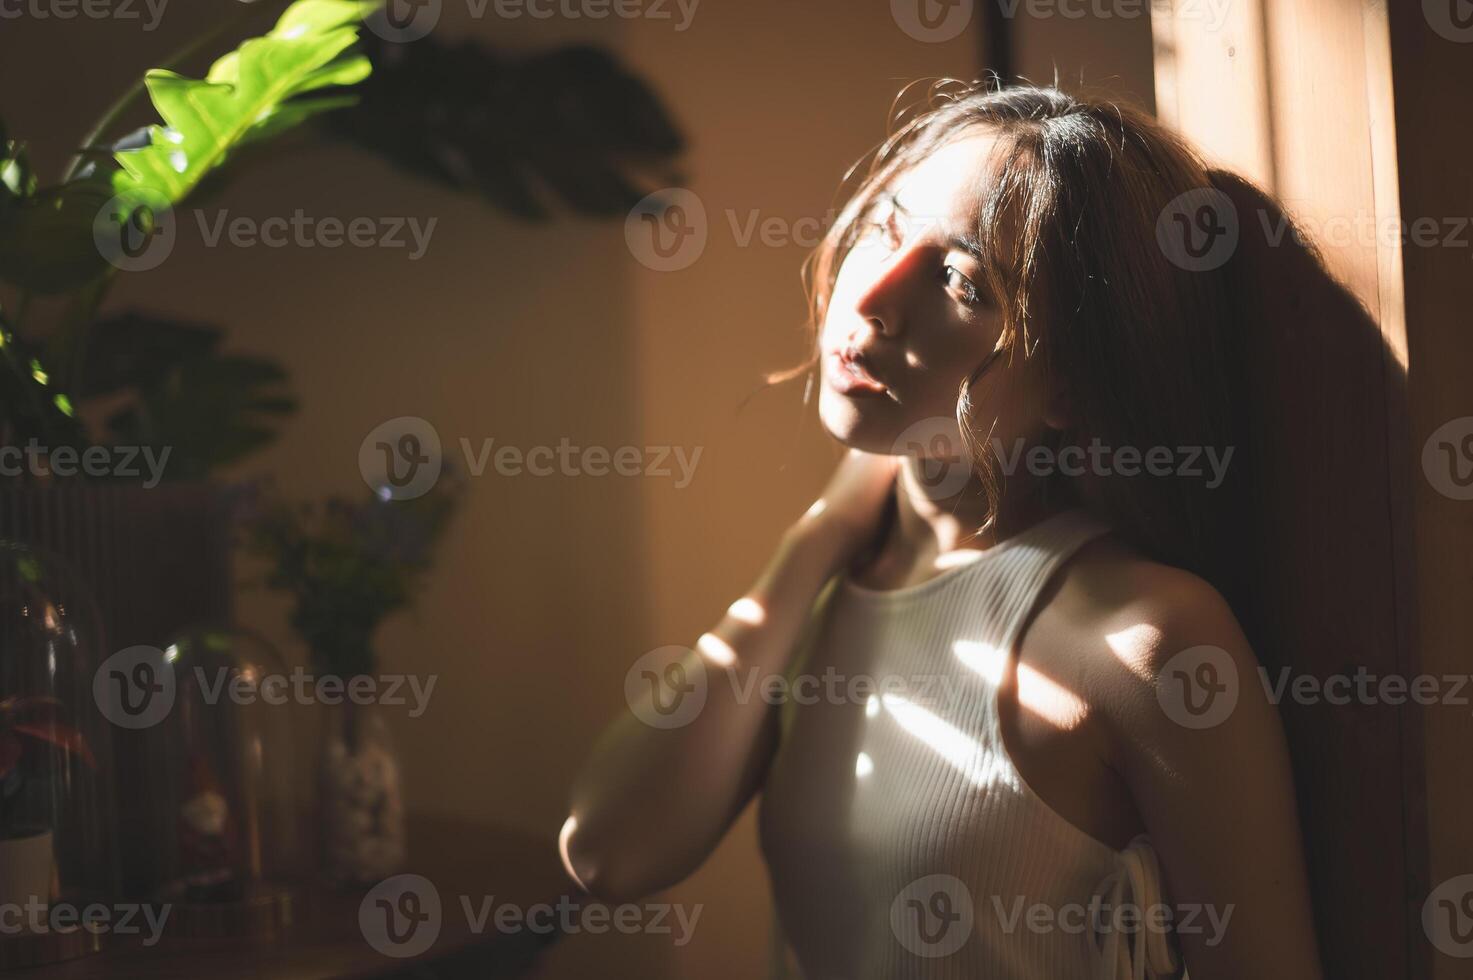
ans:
(846, 516)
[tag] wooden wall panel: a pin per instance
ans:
(1296, 95)
(1431, 53)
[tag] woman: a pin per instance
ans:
(1048, 756)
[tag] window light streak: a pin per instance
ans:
(983, 658)
(716, 650)
(957, 558)
(1037, 692)
(747, 610)
(1132, 647)
(961, 751)
(564, 836)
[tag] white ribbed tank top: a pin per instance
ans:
(901, 842)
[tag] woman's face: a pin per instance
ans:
(909, 305)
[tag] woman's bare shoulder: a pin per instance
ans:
(1110, 577)
(1123, 617)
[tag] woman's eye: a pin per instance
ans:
(963, 286)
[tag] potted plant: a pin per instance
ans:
(35, 747)
(348, 563)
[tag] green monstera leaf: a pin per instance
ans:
(60, 239)
(251, 94)
(49, 237)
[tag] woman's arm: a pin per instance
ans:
(652, 802)
(1217, 800)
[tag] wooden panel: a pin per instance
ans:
(1432, 65)
(1219, 77)
(1294, 94)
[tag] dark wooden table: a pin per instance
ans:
(326, 940)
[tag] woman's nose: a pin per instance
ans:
(882, 301)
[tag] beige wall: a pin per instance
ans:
(1107, 50)
(551, 587)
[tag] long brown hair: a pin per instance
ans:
(1077, 234)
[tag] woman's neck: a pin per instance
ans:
(929, 525)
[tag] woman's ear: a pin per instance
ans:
(1059, 412)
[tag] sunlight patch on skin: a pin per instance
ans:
(569, 826)
(716, 650)
(1050, 700)
(747, 610)
(1038, 693)
(1133, 646)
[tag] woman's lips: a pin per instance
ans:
(848, 377)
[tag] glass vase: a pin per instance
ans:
(57, 810)
(361, 810)
(219, 820)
